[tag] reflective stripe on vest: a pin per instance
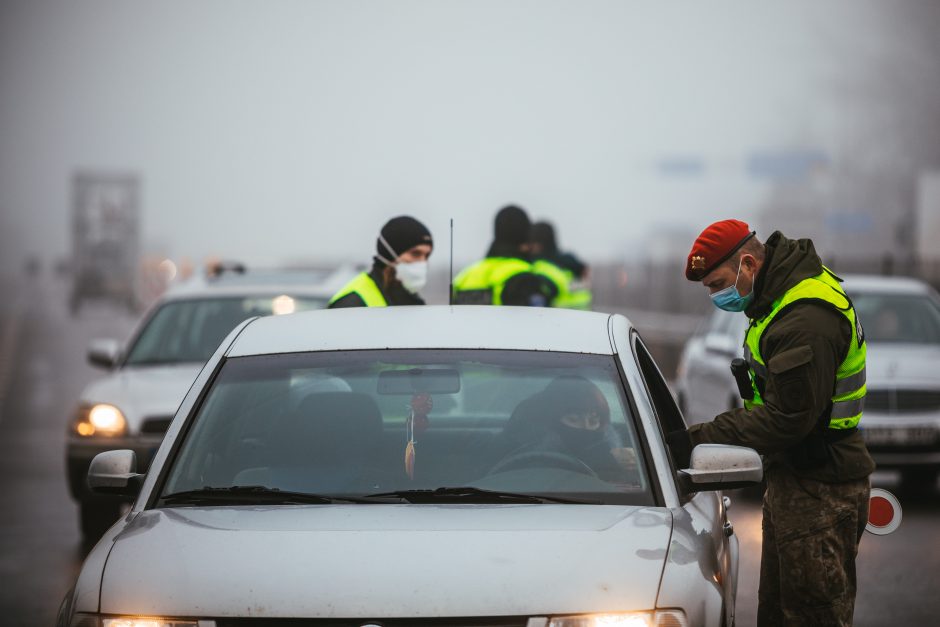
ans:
(848, 393)
(482, 283)
(363, 286)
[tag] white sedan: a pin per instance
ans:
(132, 406)
(473, 466)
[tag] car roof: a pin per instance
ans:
(884, 284)
(310, 283)
(427, 327)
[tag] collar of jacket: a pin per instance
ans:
(502, 249)
(786, 263)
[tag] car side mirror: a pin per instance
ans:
(104, 353)
(721, 467)
(721, 344)
(115, 472)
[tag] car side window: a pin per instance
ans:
(670, 418)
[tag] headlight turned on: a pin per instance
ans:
(148, 622)
(88, 620)
(101, 419)
(658, 618)
(283, 304)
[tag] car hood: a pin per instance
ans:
(140, 392)
(372, 561)
(890, 365)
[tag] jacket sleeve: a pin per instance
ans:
(802, 349)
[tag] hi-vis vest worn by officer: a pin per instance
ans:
(559, 277)
(365, 288)
(572, 294)
(482, 283)
(848, 395)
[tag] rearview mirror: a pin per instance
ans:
(721, 467)
(419, 380)
(104, 353)
(115, 472)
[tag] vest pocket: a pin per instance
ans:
(789, 379)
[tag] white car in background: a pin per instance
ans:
(133, 405)
(406, 466)
(901, 420)
(704, 385)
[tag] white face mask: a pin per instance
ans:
(413, 275)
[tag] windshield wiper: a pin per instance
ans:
(254, 494)
(469, 494)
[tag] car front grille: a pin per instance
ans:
(156, 425)
(489, 621)
(902, 401)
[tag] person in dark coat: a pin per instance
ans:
(805, 352)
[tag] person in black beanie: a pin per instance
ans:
(399, 268)
(505, 276)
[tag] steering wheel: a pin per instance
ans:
(551, 459)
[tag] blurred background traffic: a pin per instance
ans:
(151, 152)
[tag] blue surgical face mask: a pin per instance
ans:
(730, 299)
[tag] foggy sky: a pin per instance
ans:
(279, 131)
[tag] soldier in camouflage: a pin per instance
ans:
(809, 380)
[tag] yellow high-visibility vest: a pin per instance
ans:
(365, 288)
(848, 393)
(482, 283)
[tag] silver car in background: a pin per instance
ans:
(473, 466)
(901, 423)
(704, 385)
(133, 405)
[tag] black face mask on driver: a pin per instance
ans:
(580, 440)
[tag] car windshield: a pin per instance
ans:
(899, 318)
(369, 423)
(190, 330)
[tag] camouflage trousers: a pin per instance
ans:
(811, 532)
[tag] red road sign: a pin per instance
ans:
(884, 512)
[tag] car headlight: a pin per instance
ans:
(658, 618)
(93, 620)
(101, 419)
(283, 304)
(132, 621)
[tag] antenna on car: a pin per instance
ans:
(450, 294)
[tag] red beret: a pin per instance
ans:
(714, 246)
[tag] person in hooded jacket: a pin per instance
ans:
(569, 417)
(399, 268)
(505, 276)
(804, 392)
(570, 274)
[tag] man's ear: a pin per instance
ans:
(749, 261)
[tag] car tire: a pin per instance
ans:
(96, 516)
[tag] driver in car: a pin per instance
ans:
(574, 419)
